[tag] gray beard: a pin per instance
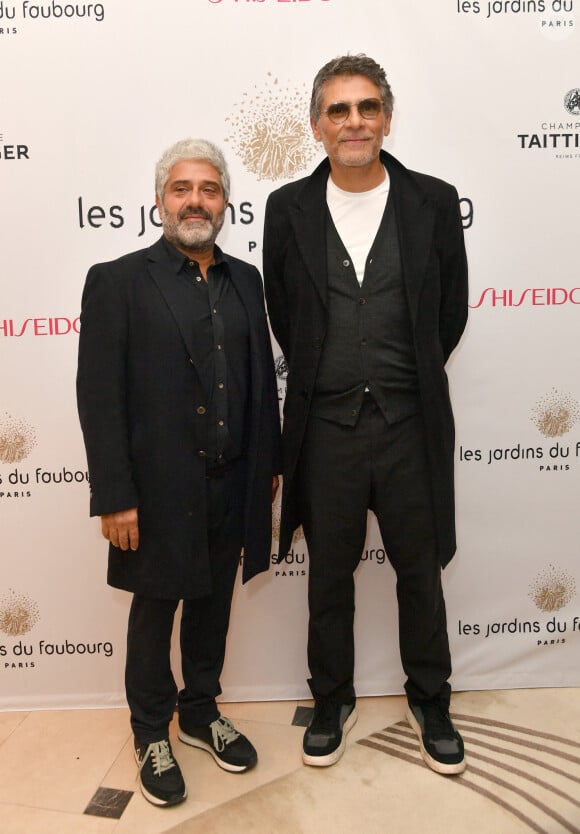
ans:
(195, 239)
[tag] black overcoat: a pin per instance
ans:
(142, 411)
(435, 276)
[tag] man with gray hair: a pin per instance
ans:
(366, 283)
(178, 405)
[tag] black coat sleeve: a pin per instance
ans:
(102, 392)
(453, 267)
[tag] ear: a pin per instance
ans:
(315, 131)
(158, 204)
(388, 124)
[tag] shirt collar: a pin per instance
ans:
(178, 260)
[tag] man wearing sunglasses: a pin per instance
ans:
(366, 284)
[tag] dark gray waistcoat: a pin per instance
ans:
(369, 341)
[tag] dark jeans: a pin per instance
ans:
(345, 471)
(150, 685)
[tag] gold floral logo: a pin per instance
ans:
(553, 589)
(555, 414)
(270, 130)
(17, 439)
(18, 614)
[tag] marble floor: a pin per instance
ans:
(73, 772)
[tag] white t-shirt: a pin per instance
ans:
(357, 216)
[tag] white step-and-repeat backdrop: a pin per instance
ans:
(487, 97)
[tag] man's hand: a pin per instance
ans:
(121, 529)
(275, 485)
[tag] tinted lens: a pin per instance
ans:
(369, 108)
(338, 112)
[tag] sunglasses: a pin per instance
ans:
(368, 108)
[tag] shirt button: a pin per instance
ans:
(220, 385)
(214, 311)
(202, 453)
(362, 301)
(219, 347)
(354, 412)
(221, 423)
(200, 409)
(346, 262)
(198, 279)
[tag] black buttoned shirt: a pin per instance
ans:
(220, 336)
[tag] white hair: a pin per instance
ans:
(199, 149)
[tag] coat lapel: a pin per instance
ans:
(308, 219)
(416, 224)
(415, 218)
(163, 274)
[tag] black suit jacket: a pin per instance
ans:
(141, 407)
(435, 277)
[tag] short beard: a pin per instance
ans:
(194, 239)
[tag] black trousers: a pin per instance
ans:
(150, 686)
(344, 471)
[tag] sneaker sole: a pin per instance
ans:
(438, 767)
(332, 758)
(155, 800)
(202, 745)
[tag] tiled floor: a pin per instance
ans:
(52, 763)
(73, 772)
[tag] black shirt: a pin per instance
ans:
(220, 335)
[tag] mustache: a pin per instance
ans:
(194, 211)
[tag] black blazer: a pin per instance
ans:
(435, 275)
(138, 396)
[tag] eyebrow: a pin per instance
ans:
(352, 103)
(189, 182)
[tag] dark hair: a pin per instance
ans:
(350, 65)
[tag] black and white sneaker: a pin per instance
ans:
(440, 743)
(231, 750)
(159, 774)
(325, 739)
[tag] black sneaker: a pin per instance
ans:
(231, 750)
(159, 773)
(325, 739)
(441, 745)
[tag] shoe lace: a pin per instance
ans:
(161, 757)
(223, 733)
